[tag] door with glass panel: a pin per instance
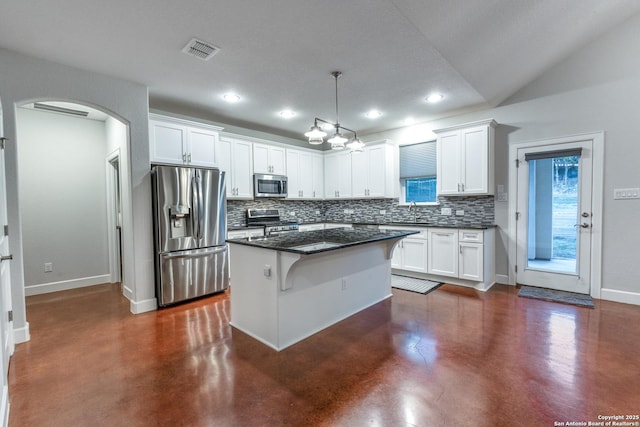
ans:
(554, 216)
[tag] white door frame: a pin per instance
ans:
(596, 202)
(112, 220)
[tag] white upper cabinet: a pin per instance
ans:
(182, 142)
(269, 159)
(465, 159)
(304, 174)
(374, 172)
(235, 157)
(337, 175)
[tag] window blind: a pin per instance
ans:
(553, 154)
(418, 160)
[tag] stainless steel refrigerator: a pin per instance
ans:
(190, 227)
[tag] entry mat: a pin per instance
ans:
(556, 296)
(414, 285)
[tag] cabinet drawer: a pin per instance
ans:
(471, 236)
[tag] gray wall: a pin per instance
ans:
(596, 89)
(63, 197)
(26, 79)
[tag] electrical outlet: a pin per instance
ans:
(383, 212)
(292, 213)
(445, 211)
(48, 267)
(317, 212)
(459, 212)
(266, 270)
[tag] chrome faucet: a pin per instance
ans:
(414, 207)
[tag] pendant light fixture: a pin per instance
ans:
(316, 134)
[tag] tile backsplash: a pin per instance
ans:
(477, 210)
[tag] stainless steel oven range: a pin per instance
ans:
(270, 220)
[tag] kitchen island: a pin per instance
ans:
(290, 286)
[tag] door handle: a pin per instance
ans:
(583, 225)
(585, 215)
(6, 257)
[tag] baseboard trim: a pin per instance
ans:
(143, 306)
(22, 334)
(45, 288)
(620, 296)
(502, 279)
(4, 406)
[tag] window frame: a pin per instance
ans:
(402, 200)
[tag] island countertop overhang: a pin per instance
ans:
(316, 241)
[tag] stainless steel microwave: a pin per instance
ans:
(265, 185)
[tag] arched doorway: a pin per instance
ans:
(74, 204)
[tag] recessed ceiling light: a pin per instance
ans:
(231, 97)
(409, 121)
(287, 114)
(435, 97)
(373, 114)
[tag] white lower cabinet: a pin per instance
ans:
(471, 255)
(443, 251)
(451, 255)
(410, 253)
(457, 253)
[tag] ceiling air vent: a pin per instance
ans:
(200, 49)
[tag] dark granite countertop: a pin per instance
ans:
(311, 242)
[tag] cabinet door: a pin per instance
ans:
(414, 255)
(443, 252)
(448, 163)
(360, 173)
(344, 175)
(396, 257)
(202, 147)
(261, 158)
(331, 176)
(168, 143)
(317, 176)
(277, 160)
(242, 169)
(471, 261)
(305, 175)
(224, 149)
(377, 171)
(294, 190)
(475, 162)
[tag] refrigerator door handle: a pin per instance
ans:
(193, 253)
(195, 202)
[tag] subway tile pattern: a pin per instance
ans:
(478, 210)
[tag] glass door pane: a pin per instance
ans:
(553, 213)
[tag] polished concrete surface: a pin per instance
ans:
(454, 357)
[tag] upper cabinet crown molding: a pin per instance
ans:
(487, 122)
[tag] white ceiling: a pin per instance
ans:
(278, 54)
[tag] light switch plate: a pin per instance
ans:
(459, 212)
(445, 211)
(626, 193)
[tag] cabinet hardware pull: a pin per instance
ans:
(6, 257)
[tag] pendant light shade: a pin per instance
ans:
(356, 146)
(315, 132)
